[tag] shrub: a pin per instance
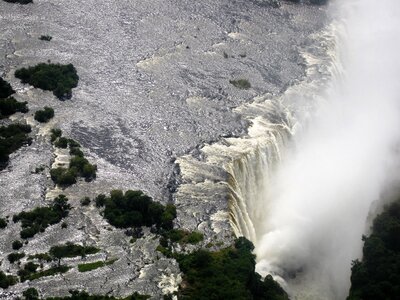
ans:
(85, 201)
(51, 77)
(12, 137)
(63, 176)
(43, 116)
(41, 256)
(40, 218)
(61, 142)
(3, 223)
(49, 272)
(94, 265)
(5, 89)
(16, 245)
(7, 280)
(242, 84)
(10, 106)
(15, 256)
(31, 294)
(46, 38)
(55, 133)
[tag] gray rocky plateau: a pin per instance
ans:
(154, 85)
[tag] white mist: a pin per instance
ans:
(323, 190)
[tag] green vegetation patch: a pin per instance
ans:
(3, 223)
(377, 276)
(51, 77)
(31, 294)
(43, 116)
(226, 274)
(28, 270)
(95, 265)
(5, 89)
(41, 257)
(16, 245)
(134, 209)
(46, 38)
(242, 84)
(15, 256)
(7, 280)
(72, 250)
(184, 236)
(12, 137)
(10, 106)
(40, 218)
(49, 272)
(79, 166)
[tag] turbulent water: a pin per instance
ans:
(304, 195)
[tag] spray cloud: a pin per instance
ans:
(322, 192)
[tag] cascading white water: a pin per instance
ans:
(315, 208)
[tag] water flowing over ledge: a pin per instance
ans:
(226, 182)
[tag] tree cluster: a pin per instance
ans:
(134, 209)
(377, 276)
(79, 166)
(60, 79)
(38, 219)
(10, 106)
(12, 137)
(44, 115)
(226, 274)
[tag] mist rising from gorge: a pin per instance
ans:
(339, 162)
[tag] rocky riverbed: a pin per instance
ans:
(154, 85)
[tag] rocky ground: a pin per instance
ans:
(154, 85)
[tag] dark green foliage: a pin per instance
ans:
(83, 167)
(72, 250)
(12, 137)
(242, 84)
(319, 2)
(7, 280)
(55, 133)
(29, 269)
(43, 116)
(9, 106)
(78, 295)
(46, 38)
(85, 201)
(377, 276)
(3, 223)
(61, 142)
(15, 256)
(136, 209)
(41, 256)
(40, 218)
(94, 265)
(31, 294)
(51, 77)
(226, 274)
(78, 165)
(19, 1)
(183, 236)
(63, 176)
(16, 245)
(5, 89)
(100, 200)
(49, 272)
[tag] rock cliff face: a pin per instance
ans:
(154, 85)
